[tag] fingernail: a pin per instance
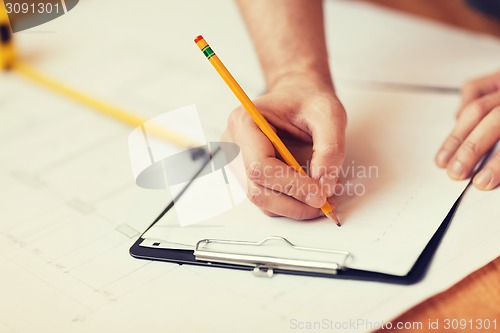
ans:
(314, 200)
(442, 158)
(456, 169)
(483, 179)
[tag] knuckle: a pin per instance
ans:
(325, 102)
(469, 148)
(335, 150)
(234, 119)
(454, 141)
(477, 109)
(322, 102)
(291, 188)
(303, 214)
(231, 120)
(268, 213)
(255, 197)
(254, 171)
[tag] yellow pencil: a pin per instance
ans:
(259, 119)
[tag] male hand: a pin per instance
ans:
(307, 110)
(477, 130)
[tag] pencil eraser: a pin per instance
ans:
(197, 39)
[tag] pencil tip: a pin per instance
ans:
(334, 218)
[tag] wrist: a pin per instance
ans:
(302, 79)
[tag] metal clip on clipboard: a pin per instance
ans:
(264, 265)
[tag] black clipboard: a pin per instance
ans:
(268, 268)
(416, 273)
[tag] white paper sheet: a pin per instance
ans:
(392, 200)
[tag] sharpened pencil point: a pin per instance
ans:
(334, 218)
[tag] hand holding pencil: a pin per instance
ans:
(304, 197)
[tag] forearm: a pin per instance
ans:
(289, 38)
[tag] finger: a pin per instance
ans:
(268, 213)
(282, 205)
(264, 168)
(266, 105)
(477, 88)
(489, 176)
(473, 113)
(476, 145)
(275, 175)
(255, 146)
(327, 124)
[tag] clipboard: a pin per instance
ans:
(215, 253)
(267, 266)
(219, 251)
